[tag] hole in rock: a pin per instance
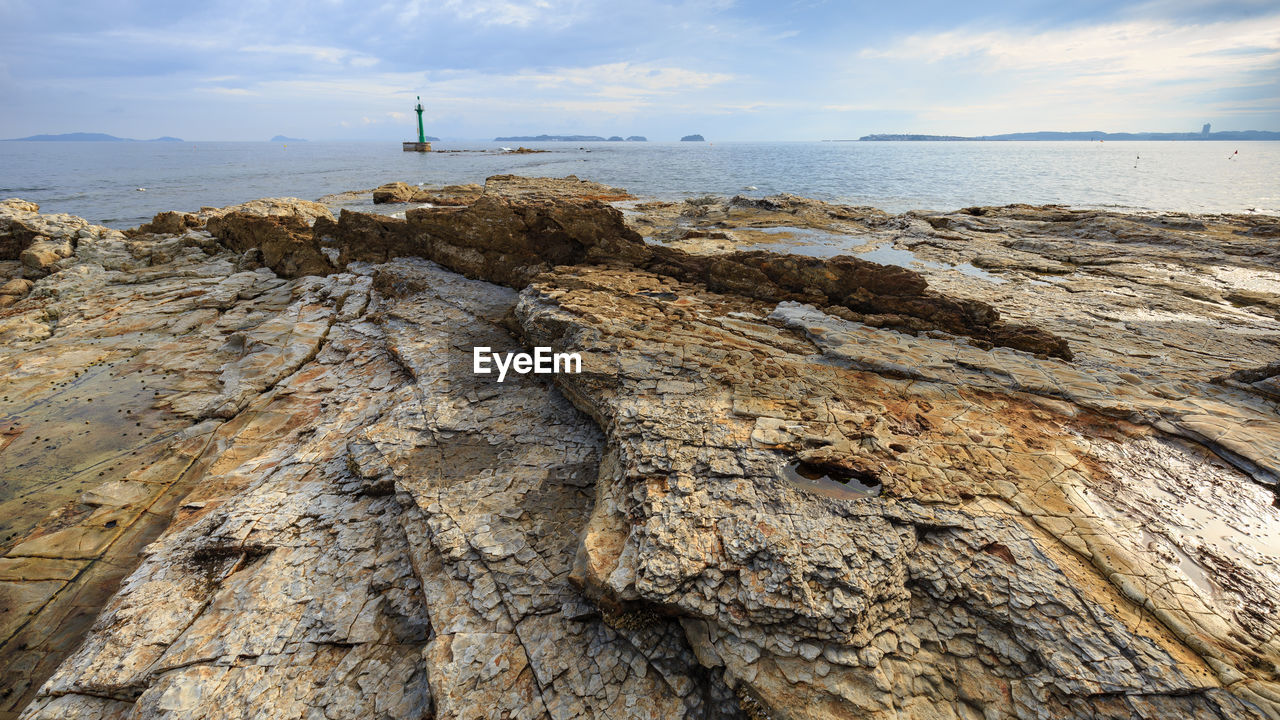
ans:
(833, 480)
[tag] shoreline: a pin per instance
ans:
(321, 485)
(895, 177)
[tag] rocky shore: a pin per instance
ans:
(821, 461)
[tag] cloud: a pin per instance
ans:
(1153, 74)
(799, 69)
(623, 80)
(615, 88)
(851, 107)
(315, 53)
(1107, 55)
(227, 91)
(518, 13)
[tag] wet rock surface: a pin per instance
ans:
(246, 470)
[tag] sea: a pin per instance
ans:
(122, 184)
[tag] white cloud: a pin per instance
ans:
(227, 91)
(851, 107)
(316, 53)
(1153, 75)
(614, 89)
(518, 13)
(623, 80)
(1105, 56)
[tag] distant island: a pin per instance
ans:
(1092, 135)
(88, 137)
(569, 138)
(282, 138)
(693, 138)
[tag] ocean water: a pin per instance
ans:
(100, 181)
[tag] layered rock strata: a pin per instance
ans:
(280, 491)
(997, 555)
(510, 240)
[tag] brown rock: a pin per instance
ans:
(500, 239)
(569, 186)
(510, 241)
(1256, 299)
(1012, 260)
(890, 295)
(1265, 230)
(1263, 380)
(511, 238)
(306, 210)
(167, 223)
(395, 192)
(38, 258)
(450, 195)
(288, 245)
(16, 286)
(365, 237)
(17, 205)
(15, 236)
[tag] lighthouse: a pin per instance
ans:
(421, 145)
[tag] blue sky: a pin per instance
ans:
(744, 70)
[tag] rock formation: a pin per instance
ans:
(284, 244)
(394, 192)
(249, 472)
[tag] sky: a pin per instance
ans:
(728, 69)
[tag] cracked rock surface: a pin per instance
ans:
(246, 469)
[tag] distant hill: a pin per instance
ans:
(72, 137)
(282, 138)
(693, 138)
(88, 137)
(1093, 135)
(637, 138)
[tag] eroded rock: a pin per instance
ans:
(16, 286)
(340, 519)
(286, 243)
(512, 236)
(168, 223)
(995, 574)
(39, 257)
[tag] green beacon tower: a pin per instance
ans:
(421, 145)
